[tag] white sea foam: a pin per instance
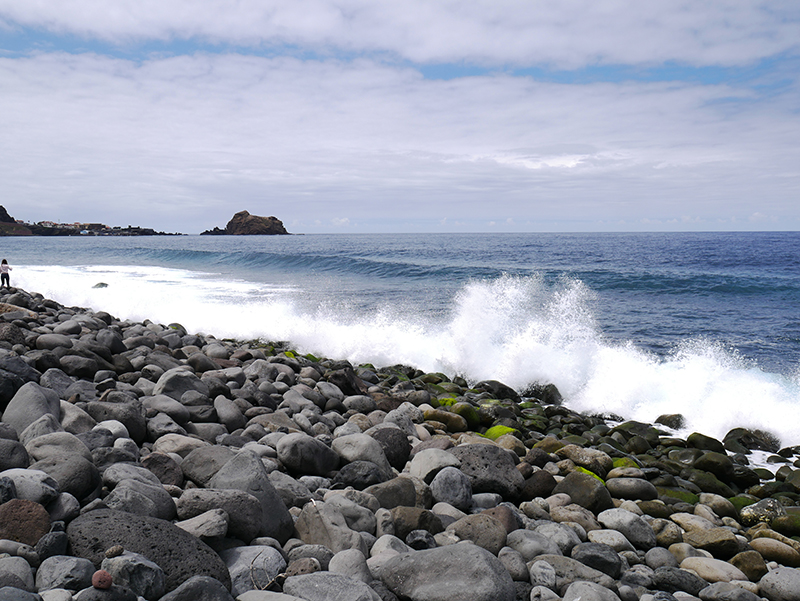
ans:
(516, 330)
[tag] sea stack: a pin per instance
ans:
(245, 224)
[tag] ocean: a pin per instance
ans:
(632, 324)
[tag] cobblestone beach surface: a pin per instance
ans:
(142, 461)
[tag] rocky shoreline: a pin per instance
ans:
(138, 460)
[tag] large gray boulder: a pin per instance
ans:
(781, 584)
(56, 380)
(137, 573)
(358, 517)
(452, 486)
(361, 447)
(33, 485)
(531, 544)
(62, 571)
(586, 491)
(490, 469)
(246, 472)
(201, 464)
(243, 509)
(130, 413)
(352, 563)
(200, 588)
(74, 474)
(303, 454)
(164, 404)
(327, 586)
(560, 534)
(588, 591)
(483, 530)
(57, 444)
(252, 567)
(12, 455)
(570, 570)
(177, 381)
(635, 529)
(134, 496)
(47, 424)
(428, 463)
(29, 404)
(324, 524)
(16, 572)
(451, 573)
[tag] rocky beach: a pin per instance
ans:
(142, 461)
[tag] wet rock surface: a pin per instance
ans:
(138, 460)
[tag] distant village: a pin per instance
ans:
(17, 227)
(86, 229)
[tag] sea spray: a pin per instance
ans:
(516, 329)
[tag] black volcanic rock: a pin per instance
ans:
(177, 552)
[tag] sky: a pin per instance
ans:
(413, 116)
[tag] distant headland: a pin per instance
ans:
(15, 227)
(245, 224)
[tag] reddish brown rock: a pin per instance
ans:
(102, 580)
(23, 521)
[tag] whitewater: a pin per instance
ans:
(628, 325)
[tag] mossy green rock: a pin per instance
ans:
(655, 509)
(435, 389)
(583, 470)
(468, 412)
(624, 462)
(770, 489)
(433, 378)
(631, 428)
(763, 473)
(575, 439)
(446, 400)
(718, 464)
(740, 502)
(680, 494)
(540, 424)
(788, 525)
(708, 482)
(496, 432)
(613, 443)
(454, 422)
(489, 403)
(452, 388)
(705, 443)
(549, 444)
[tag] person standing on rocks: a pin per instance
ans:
(4, 277)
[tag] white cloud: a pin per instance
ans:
(182, 143)
(563, 33)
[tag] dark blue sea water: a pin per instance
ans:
(706, 324)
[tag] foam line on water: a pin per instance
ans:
(514, 329)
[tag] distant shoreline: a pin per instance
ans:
(25, 230)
